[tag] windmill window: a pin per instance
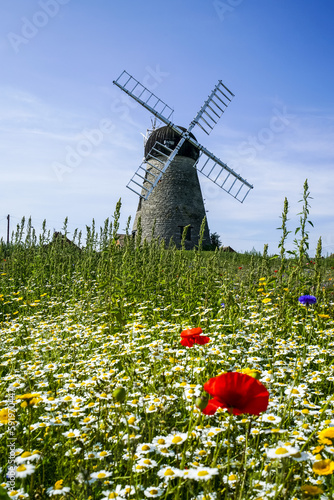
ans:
(188, 234)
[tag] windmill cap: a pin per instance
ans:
(168, 137)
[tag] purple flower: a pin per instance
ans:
(307, 299)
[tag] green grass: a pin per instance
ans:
(76, 324)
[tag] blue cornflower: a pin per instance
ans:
(307, 299)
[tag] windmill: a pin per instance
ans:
(170, 197)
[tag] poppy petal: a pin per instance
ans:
(212, 407)
(187, 342)
(201, 340)
(239, 392)
(191, 332)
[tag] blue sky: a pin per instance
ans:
(60, 57)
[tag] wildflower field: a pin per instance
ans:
(149, 372)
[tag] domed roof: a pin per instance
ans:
(168, 137)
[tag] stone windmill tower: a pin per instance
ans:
(167, 181)
(176, 201)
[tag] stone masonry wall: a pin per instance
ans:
(175, 202)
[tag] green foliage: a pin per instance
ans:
(100, 321)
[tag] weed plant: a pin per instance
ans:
(100, 400)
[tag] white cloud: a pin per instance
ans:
(35, 134)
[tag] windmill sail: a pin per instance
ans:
(150, 171)
(144, 96)
(223, 176)
(213, 108)
(148, 175)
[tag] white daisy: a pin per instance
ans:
(176, 438)
(17, 494)
(231, 480)
(114, 494)
(167, 472)
(153, 492)
(28, 456)
(270, 418)
(144, 448)
(58, 489)
(165, 452)
(102, 474)
(103, 454)
(295, 392)
(281, 451)
(161, 442)
(145, 463)
(127, 491)
(72, 433)
(24, 470)
(206, 496)
(201, 473)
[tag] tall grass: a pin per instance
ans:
(91, 351)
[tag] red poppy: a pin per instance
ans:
(237, 392)
(192, 336)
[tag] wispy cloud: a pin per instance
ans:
(35, 134)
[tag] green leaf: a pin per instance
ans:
(298, 228)
(310, 223)
(3, 494)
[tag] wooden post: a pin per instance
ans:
(8, 218)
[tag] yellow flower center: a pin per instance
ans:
(281, 451)
(21, 468)
(145, 447)
(176, 439)
(58, 485)
(169, 472)
(101, 475)
(202, 473)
